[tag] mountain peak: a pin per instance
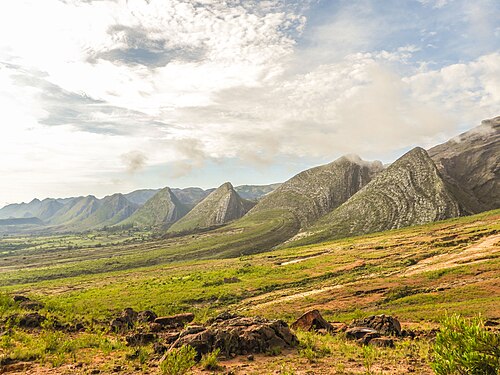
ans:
(220, 207)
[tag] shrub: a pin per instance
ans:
(210, 361)
(178, 361)
(465, 347)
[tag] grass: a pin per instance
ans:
(345, 279)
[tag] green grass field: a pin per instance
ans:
(418, 274)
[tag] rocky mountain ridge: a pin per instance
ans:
(220, 207)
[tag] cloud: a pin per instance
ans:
(190, 155)
(183, 83)
(134, 161)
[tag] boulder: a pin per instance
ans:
(312, 321)
(237, 335)
(175, 321)
(384, 324)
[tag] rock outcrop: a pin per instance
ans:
(409, 192)
(470, 165)
(312, 321)
(235, 335)
(316, 191)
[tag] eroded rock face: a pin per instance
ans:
(469, 164)
(316, 191)
(409, 192)
(238, 335)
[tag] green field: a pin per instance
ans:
(418, 274)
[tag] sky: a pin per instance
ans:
(102, 96)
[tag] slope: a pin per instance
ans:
(76, 210)
(409, 192)
(161, 211)
(316, 191)
(220, 207)
(470, 165)
(112, 210)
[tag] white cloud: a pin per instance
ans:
(91, 89)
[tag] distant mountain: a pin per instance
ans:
(255, 192)
(409, 192)
(220, 207)
(43, 210)
(21, 221)
(139, 197)
(316, 191)
(76, 210)
(161, 211)
(112, 210)
(191, 196)
(470, 164)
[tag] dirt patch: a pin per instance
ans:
(480, 252)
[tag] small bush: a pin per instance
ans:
(466, 347)
(178, 361)
(210, 361)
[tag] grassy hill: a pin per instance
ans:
(418, 274)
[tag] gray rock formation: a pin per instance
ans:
(409, 192)
(220, 207)
(470, 165)
(161, 211)
(316, 191)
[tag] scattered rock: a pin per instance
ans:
(146, 316)
(125, 321)
(155, 327)
(138, 339)
(238, 335)
(384, 324)
(222, 316)
(250, 357)
(19, 298)
(159, 348)
(312, 321)
(31, 305)
(170, 337)
(33, 320)
(178, 320)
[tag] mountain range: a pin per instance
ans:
(346, 197)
